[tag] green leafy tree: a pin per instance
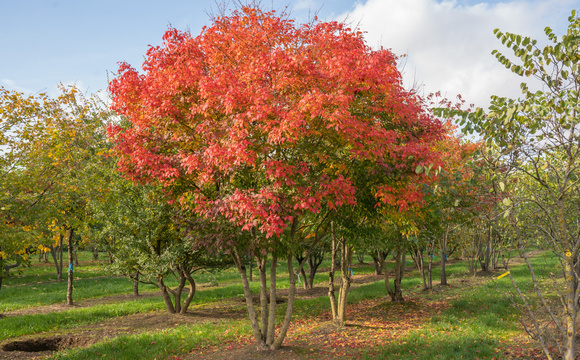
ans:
(538, 136)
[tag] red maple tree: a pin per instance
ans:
(258, 120)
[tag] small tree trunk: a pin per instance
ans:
(377, 262)
(306, 283)
(191, 293)
(396, 292)
(430, 269)
(1, 268)
(69, 292)
(272, 310)
(314, 261)
(59, 255)
(346, 261)
(291, 296)
(250, 267)
(333, 306)
(571, 308)
(136, 284)
(263, 298)
(443, 246)
(360, 257)
(421, 266)
(95, 253)
(76, 258)
(258, 334)
(300, 258)
(166, 296)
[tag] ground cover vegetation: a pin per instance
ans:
(217, 208)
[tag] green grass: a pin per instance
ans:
(35, 323)
(161, 344)
(478, 320)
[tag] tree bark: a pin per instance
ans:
(272, 310)
(377, 263)
(346, 261)
(136, 284)
(191, 293)
(314, 261)
(166, 296)
(69, 292)
(333, 306)
(443, 246)
(258, 335)
(1, 268)
(60, 252)
(396, 292)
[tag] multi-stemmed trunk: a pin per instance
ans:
(175, 306)
(264, 330)
(56, 253)
(338, 306)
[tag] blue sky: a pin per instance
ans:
(448, 43)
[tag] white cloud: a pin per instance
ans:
(11, 85)
(449, 44)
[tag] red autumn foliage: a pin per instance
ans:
(258, 119)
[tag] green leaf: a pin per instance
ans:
(507, 202)
(418, 169)
(502, 186)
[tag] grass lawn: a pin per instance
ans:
(471, 319)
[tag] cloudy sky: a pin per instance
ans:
(447, 43)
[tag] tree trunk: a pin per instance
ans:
(430, 269)
(263, 298)
(258, 334)
(306, 284)
(443, 246)
(191, 293)
(571, 308)
(333, 306)
(69, 292)
(396, 292)
(166, 296)
(291, 297)
(136, 284)
(272, 310)
(1, 268)
(60, 251)
(420, 264)
(76, 257)
(56, 253)
(377, 262)
(314, 261)
(346, 261)
(95, 253)
(300, 258)
(250, 267)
